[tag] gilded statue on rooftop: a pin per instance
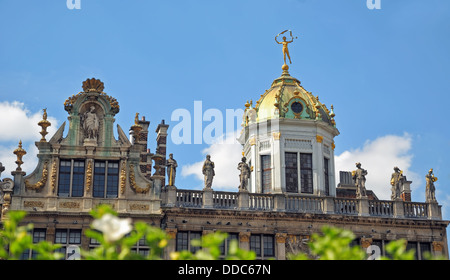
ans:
(285, 45)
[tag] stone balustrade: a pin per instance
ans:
(295, 203)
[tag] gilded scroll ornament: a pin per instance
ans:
(123, 178)
(41, 182)
(133, 183)
(53, 177)
(89, 176)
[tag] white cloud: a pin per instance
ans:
(379, 157)
(18, 123)
(226, 155)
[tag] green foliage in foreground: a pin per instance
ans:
(117, 237)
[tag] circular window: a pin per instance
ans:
(297, 107)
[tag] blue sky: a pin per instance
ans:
(385, 71)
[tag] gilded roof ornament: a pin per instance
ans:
(285, 49)
(19, 152)
(93, 85)
(44, 123)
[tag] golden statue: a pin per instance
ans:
(285, 45)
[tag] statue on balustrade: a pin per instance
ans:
(172, 165)
(245, 174)
(397, 180)
(430, 189)
(208, 171)
(359, 176)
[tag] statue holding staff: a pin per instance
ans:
(171, 169)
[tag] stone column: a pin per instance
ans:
(243, 200)
(172, 246)
(279, 202)
(363, 206)
(169, 196)
(433, 211)
(399, 211)
(328, 205)
(280, 239)
(208, 198)
(244, 240)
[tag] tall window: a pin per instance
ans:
(266, 175)
(184, 239)
(263, 245)
(225, 246)
(67, 237)
(291, 168)
(326, 163)
(106, 179)
(71, 178)
(306, 173)
(39, 234)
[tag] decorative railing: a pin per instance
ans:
(294, 203)
(346, 206)
(415, 209)
(305, 204)
(225, 200)
(259, 201)
(381, 208)
(189, 198)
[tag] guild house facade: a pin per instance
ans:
(288, 188)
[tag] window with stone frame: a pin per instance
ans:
(263, 245)
(106, 179)
(306, 173)
(224, 247)
(266, 173)
(291, 171)
(184, 238)
(71, 178)
(39, 234)
(67, 237)
(326, 163)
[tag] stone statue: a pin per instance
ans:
(397, 180)
(208, 171)
(430, 189)
(285, 45)
(359, 175)
(90, 123)
(245, 174)
(171, 169)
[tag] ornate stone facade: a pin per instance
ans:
(89, 167)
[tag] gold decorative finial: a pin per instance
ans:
(285, 43)
(136, 127)
(44, 123)
(19, 152)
